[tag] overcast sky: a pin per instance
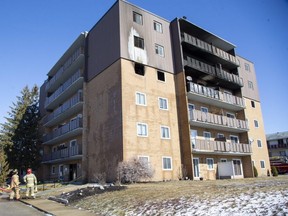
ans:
(35, 34)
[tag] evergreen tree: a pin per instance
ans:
(20, 133)
(4, 167)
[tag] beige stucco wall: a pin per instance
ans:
(254, 134)
(152, 146)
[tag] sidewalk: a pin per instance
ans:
(54, 208)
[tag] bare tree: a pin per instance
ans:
(134, 170)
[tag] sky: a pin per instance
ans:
(35, 34)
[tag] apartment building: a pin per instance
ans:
(277, 144)
(168, 93)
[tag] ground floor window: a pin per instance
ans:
(262, 164)
(237, 167)
(167, 163)
(210, 163)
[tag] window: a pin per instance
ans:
(137, 18)
(159, 50)
(223, 160)
(139, 69)
(144, 160)
(161, 76)
(167, 163)
(165, 132)
(210, 163)
(247, 67)
(158, 27)
(234, 139)
(230, 115)
(259, 143)
(138, 42)
(53, 170)
(204, 109)
(163, 103)
(219, 135)
(237, 167)
(207, 135)
(253, 104)
(256, 124)
(73, 143)
(262, 164)
(140, 99)
(250, 85)
(142, 129)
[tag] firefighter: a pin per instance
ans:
(14, 186)
(31, 183)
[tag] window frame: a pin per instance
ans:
(155, 24)
(207, 132)
(250, 85)
(262, 162)
(209, 165)
(142, 125)
(256, 123)
(139, 42)
(161, 132)
(159, 102)
(137, 15)
(159, 50)
(163, 163)
(138, 99)
(259, 142)
(159, 77)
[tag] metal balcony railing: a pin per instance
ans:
(69, 127)
(209, 48)
(65, 66)
(63, 153)
(217, 120)
(211, 70)
(215, 94)
(63, 87)
(219, 146)
(75, 99)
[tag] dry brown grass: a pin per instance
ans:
(138, 195)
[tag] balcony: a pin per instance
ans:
(215, 53)
(211, 73)
(71, 129)
(73, 63)
(74, 83)
(70, 153)
(69, 108)
(220, 148)
(218, 122)
(214, 97)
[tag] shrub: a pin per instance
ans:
(255, 171)
(134, 170)
(274, 171)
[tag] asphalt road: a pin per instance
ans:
(15, 208)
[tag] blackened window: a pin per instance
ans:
(161, 76)
(139, 69)
(138, 42)
(253, 104)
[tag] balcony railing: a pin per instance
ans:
(64, 129)
(220, 147)
(65, 153)
(75, 99)
(212, 120)
(63, 87)
(216, 95)
(209, 48)
(211, 70)
(65, 66)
